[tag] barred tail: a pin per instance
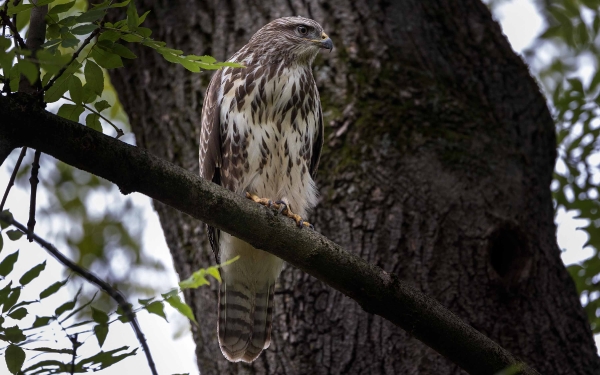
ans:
(245, 320)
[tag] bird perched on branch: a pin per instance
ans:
(262, 134)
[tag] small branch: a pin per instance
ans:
(120, 132)
(90, 277)
(6, 20)
(12, 177)
(75, 55)
(75, 343)
(33, 180)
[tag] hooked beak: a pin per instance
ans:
(324, 42)
(327, 44)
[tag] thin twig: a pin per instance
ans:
(90, 277)
(13, 29)
(75, 55)
(33, 180)
(75, 343)
(120, 132)
(12, 177)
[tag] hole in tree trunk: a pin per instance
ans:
(510, 257)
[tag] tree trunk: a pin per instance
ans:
(438, 159)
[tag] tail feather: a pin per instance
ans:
(263, 319)
(245, 320)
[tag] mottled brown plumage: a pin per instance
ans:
(262, 133)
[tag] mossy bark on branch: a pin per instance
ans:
(438, 160)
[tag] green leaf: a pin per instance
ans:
(18, 9)
(157, 308)
(58, 89)
(132, 17)
(84, 29)
(132, 38)
(14, 334)
(205, 59)
(15, 78)
(29, 70)
(1, 242)
(94, 77)
(110, 35)
(32, 274)
(43, 2)
(182, 307)
(5, 292)
(15, 357)
(4, 224)
(14, 234)
(93, 121)
(69, 42)
(19, 313)
(4, 43)
(41, 321)
(52, 289)
(75, 89)
(105, 359)
(120, 5)
(143, 17)
(6, 60)
(91, 15)
(101, 105)
(101, 331)
(12, 299)
(61, 8)
(6, 266)
(106, 59)
(52, 350)
(170, 293)
(146, 301)
(122, 51)
(192, 67)
(71, 111)
(214, 272)
(99, 316)
(64, 308)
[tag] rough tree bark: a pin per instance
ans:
(438, 160)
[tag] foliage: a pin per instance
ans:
(68, 73)
(571, 79)
(23, 333)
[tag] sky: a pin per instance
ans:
(521, 24)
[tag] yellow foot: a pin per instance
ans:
(281, 207)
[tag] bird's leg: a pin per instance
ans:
(285, 208)
(281, 207)
(264, 201)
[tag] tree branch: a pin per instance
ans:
(90, 277)
(135, 169)
(13, 176)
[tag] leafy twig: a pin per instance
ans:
(33, 180)
(12, 177)
(90, 277)
(75, 55)
(13, 29)
(120, 132)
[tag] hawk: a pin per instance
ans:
(261, 136)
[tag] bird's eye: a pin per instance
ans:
(303, 30)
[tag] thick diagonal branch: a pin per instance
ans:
(136, 170)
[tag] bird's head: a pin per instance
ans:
(298, 38)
